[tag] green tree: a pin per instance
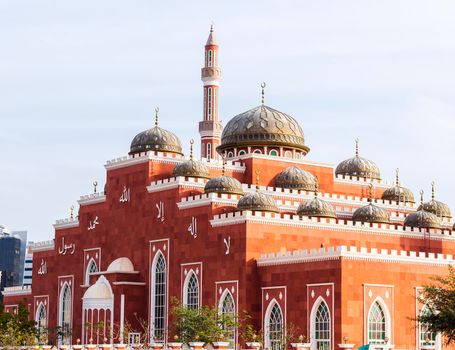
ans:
(205, 324)
(16, 329)
(440, 298)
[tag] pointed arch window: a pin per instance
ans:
(377, 324)
(159, 298)
(322, 329)
(209, 151)
(210, 58)
(426, 337)
(214, 103)
(65, 314)
(91, 268)
(192, 292)
(274, 328)
(41, 324)
(209, 104)
(228, 309)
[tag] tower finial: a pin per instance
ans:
(211, 27)
(357, 147)
(263, 85)
(316, 186)
(191, 148)
(95, 184)
(258, 172)
(432, 190)
(157, 109)
(421, 198)
(397, 177)
(72, 212)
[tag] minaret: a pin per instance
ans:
(210, 127)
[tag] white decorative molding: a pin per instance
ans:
(127, 283)
(340, 225)
(66, 223)
(301, 161)
(356, 180)
(363, 253)
(92, 198)
(175, 182)
(42, 246)
(208, 199)
(18, 290)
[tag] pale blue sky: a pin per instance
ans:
(78, 79)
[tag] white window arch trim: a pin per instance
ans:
(388, 320)
(314, 310)
(152, 293)
(437, 337)
(41, 307)
(60, 306)
(267, 315)
(226, 293)
(87, 270)
(185, 287)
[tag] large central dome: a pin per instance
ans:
(263, 126)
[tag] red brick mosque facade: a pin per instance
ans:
(335, 251)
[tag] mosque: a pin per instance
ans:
(250, 224)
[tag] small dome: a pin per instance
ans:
(263, 126)
(100, 290)
(316, 207)
(422, 218)
(121, 265)
(257, 201)
(191, 167)
(358, 166)
(398, 193)
(156, 139)
(371, 213)
(438, 208)
(223, 184)
(295, 178)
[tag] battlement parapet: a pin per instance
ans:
(92, 198)
(17, 290)
(356, 253)
(66, 223)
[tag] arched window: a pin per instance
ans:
(214, 103)
(91, 268)
(159, 298)
(191, 292)
(297, 156)
(274, 328)
(242, 152)
(227, 308)
(65, 313)
(214, 58)
(41, 324)
(426, 337)
(209, 151)
(209, 104)
(288, 154)
(230, 154)
(210, 58)
(273, 152)
(377, 324)
(257, 151)
(321, 328)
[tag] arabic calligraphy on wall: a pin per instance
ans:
(92, 224)
(160, 209)
(66, 248)
(192, 229)
(43, 268)
(125, 196)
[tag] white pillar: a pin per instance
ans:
(122, 316)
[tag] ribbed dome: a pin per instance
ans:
(422, 218)
(191, 167)
(295, 178)
(223, 184)
(263, 126)
(156, 139)
(316, 207)
(358, 166)
(257, 201)
(398, 193)
(371, 213)
(438, 208)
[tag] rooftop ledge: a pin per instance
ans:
(92, 198)
(19, 290)
(66, 223)
(289, 220)
(370, 254)
(42, 246)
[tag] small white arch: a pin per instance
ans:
(320, 300)
(242, 152)
(186, 290)
(273, 153)
(257, 151)
(268, 313)
(288, 154)
(378, 300)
